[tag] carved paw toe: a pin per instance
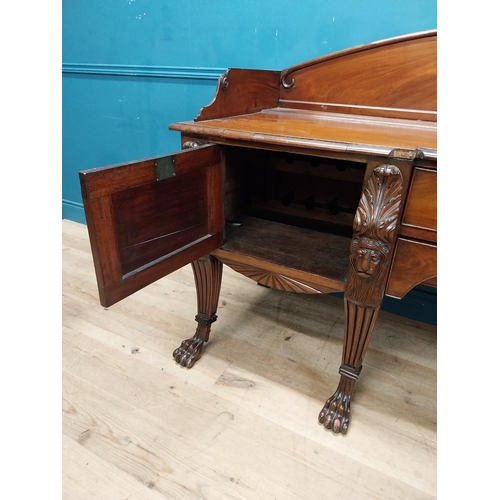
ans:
(188, 352)
(335, 414)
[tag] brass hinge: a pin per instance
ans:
(407, 154)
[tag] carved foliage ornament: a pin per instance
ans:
(374, 231)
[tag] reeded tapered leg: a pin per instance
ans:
(374, 232)
(359, 323)
(208, 276)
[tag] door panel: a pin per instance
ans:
(147, 219)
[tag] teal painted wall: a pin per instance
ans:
(132, 67)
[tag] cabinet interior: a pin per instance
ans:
(293, 209)
(303, 191)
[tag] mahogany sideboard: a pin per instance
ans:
(317, 179)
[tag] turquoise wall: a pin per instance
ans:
(132, 67)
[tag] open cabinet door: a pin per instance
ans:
(147, 219)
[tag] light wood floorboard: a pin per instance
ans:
(242, 423)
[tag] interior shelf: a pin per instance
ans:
(295, 248)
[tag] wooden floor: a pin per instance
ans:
(242, 423)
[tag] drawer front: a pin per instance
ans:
(421, 207)
(413, 263)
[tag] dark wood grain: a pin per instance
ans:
(389, 78)
(207, 277)
(142, 229)
(242, 91)
(157, 219)
(303, 249)
(414, 262)
(110, 179)
(372, 247)
(317, 131)
(421, 207)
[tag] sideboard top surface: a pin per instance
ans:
(366, 100)
(320, 130)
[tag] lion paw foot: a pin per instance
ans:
(189, 352)
(335, 414)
